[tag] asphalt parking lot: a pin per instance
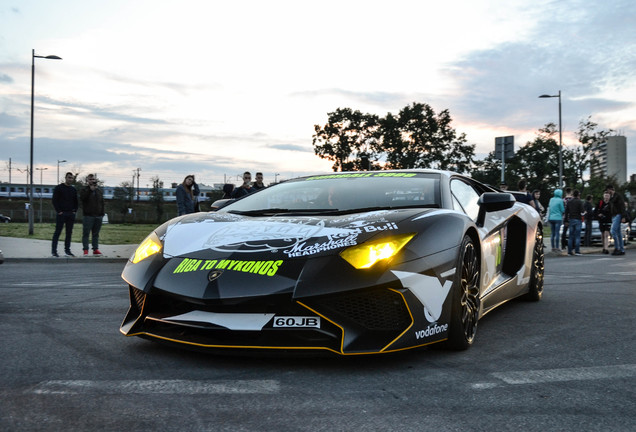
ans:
(566, 363)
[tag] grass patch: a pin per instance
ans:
(110, 234)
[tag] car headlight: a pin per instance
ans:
(368, 253)
(150, 246)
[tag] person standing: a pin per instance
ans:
(244, 189)
(573, 217)
(602, 214)
(227, 190)
(536, 194)
(92, 200)
(589, 217)
(65, 203)
(258, 184)
(564, 236)
(187, 195)
(556, 208)
(617, 207)
(523, 187)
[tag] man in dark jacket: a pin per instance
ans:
(65, 204)
(93, 208)
(574, 211)
(244, 189)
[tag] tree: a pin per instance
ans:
(347, 139)
(419, 138)
(415, 138)
(589, 138)
(537, 162)
(488, 170)
(156, 196)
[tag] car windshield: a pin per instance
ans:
(344, 192)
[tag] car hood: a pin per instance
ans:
(203, 235)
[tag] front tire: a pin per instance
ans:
(537, 272)
(465, 298)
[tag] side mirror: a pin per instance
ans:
(491, 202)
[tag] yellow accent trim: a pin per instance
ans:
(279, 348)
(406, 329)
(341, 352)
(342, 332)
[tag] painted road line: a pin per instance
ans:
(569, 374)
(558, 375)
(156, 387)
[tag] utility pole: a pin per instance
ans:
(9, 179)
(132, 189)
(138, 169)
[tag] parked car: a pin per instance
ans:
(4, 219)
(597, 236)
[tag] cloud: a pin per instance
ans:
(380, 99)
(9, 122)
(568, 54)
(91, 110)
(4, 78)
(290, 147)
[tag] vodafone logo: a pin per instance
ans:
(431, 330)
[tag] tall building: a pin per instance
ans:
(610, 159)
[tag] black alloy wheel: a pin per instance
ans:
(465, 298)
(537, 272)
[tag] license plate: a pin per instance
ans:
(297, 322)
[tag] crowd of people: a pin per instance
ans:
(571, 212)
(66, 204)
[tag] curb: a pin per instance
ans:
(587, 251)
(65, 260)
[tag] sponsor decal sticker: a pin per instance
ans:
(302, 249)
(356, 175)
(431, 330)
(336, 241)
(429, 290)
(264, 268)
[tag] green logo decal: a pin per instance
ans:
(264, 268)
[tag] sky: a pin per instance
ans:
(215, 88)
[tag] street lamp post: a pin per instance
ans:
(33, 57)
(560, 137)
(58, 169)
(41, 190)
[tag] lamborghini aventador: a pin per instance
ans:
(349, 263)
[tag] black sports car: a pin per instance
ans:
(352, 263)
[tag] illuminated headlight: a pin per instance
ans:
(367, 254)
(148, 247)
